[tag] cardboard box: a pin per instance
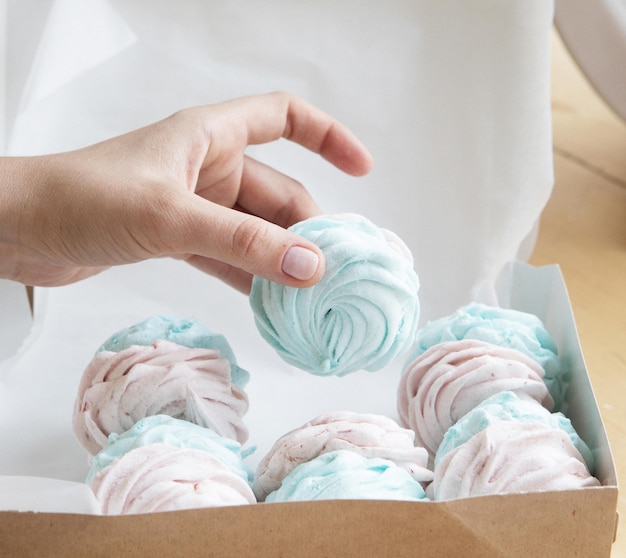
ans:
(556, 524)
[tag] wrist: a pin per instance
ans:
(21, 189)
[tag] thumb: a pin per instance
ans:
(251, 244)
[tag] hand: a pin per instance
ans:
(181, 187)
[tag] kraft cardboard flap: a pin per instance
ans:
(537, 525)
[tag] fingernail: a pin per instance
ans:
(300, 263)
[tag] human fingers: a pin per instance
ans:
(233, 276)
(244, 241)
(274, 115)
(274, 196)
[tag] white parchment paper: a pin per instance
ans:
(451, 97)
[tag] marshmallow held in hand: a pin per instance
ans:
(360, 315)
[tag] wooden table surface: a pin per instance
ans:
(583, 229)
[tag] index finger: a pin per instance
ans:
(275, 115)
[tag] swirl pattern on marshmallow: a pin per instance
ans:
(507, 406)
(159, 478)
(119, 389)
(360, 315)
(444, 383)
(188, 333)
(365, 434)
(163, 429)
(509, 457)
(345, 475)
(518, 330)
